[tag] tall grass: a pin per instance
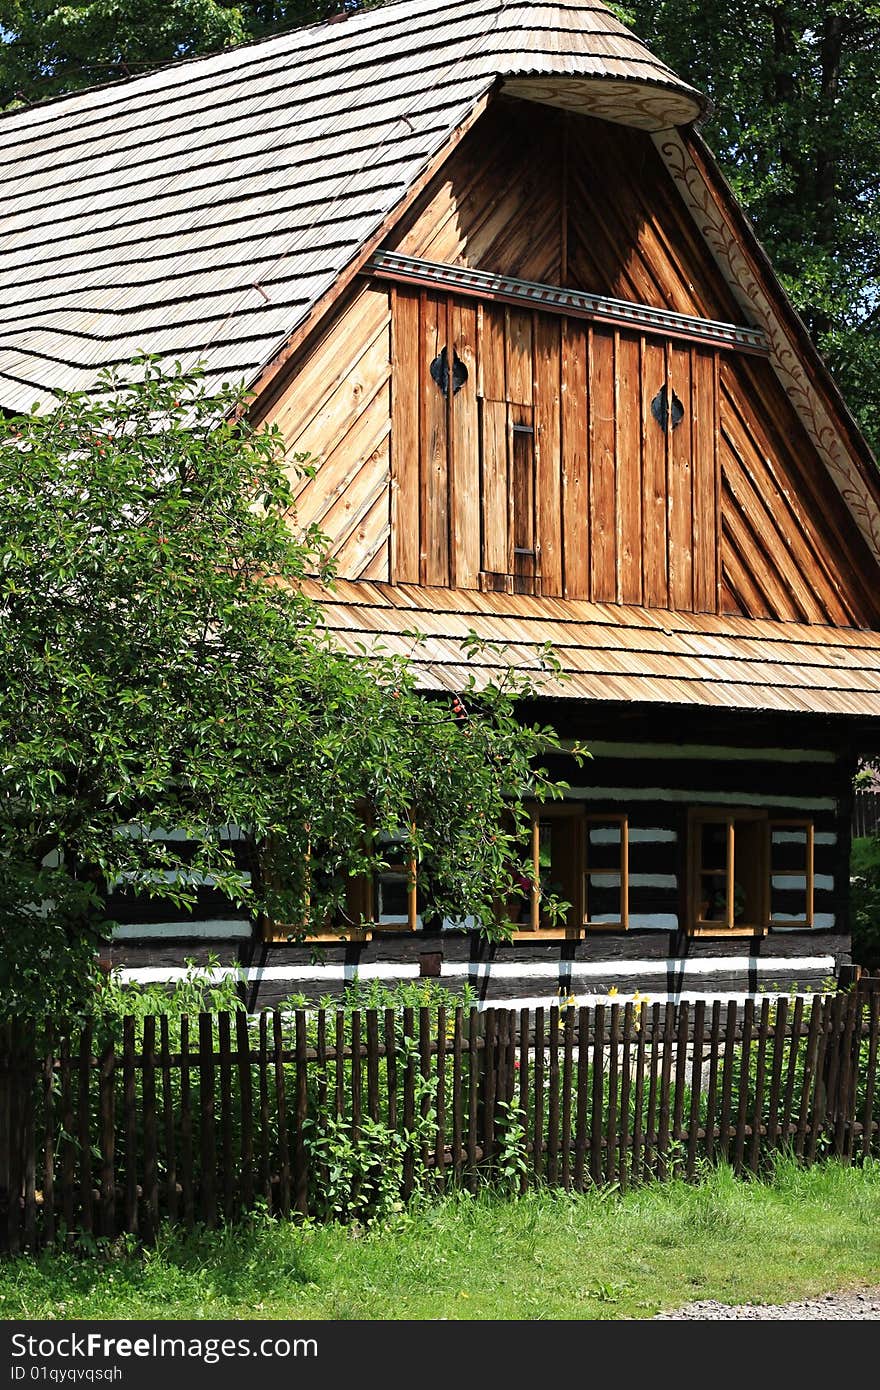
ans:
(542, 1256)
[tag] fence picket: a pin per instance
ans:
(84, 1136)
(794, 1053)
(300, 1164)
(490, 1074)
(186, 1132)
(597, 1097)
(681, 1046)
(538, 1110)
(129, 1105)
(207, 1127)
(67, 1125)
(148, 1091)
(107, 1141)
(625, 1087)
(611, 1118)
(744, 1078)
(819, 1111)
(640, 1023)
(227, 1172)
(812, 1044)
(524, 1106)
(49, 1139)
(440, 1106)
(760, 1075)
(281, 1113)
(457, 1101)
(727, 1081)
(373, 1064)
(391, 1065)
(779, 1027)
(473, 1098)
(409, 1099)
(583, 1094)
(245, 1091)
(567, 1062)
(650, 1150)
(868, 1112)
(665, 1082)
(169, 1140)
(553, 1099)
(29, 1138)
(696, 1088)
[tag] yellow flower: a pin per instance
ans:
(612, 991)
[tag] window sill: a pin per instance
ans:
(726, 931)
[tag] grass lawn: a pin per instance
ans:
(545, 1255)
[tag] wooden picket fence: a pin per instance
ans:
(201, 1120)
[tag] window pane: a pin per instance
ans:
(788, 849)
(393, 898)
(713, 847)
(788, 898)
(712, 904)
(603, 898)
(557, 846)
(603, 846)
(748, 884)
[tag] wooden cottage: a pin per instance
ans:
(479, 263)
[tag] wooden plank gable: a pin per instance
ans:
(627, 510)
(469, 440)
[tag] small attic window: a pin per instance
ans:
(440, 372)
(668, 414)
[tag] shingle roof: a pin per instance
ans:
(198, 212)
(612, 652)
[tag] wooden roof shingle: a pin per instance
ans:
(198, 212)
(611, 652)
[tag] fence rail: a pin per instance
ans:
(205, 1118)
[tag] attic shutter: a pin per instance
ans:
(509, 556)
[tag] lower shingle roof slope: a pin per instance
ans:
(608, 651)
(200, 211)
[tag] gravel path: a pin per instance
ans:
(865, 1303)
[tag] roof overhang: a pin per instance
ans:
(609, 652)
(650, 106)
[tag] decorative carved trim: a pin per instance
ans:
(644, 105)
(481, 284)
(732, 261)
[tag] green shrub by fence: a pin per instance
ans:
(345, 1115)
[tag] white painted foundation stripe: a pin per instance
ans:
(824, 919)
(183, 931)
(532, 1002)
(825, 837)
(681, 751)
(698, 798)
(703, 965)
(537, 970)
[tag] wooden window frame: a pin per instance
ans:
(579, 925)
(412, 922)
(620, 818)
(533, 931)
(792, 823)
(699, 816)
(280, 933)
